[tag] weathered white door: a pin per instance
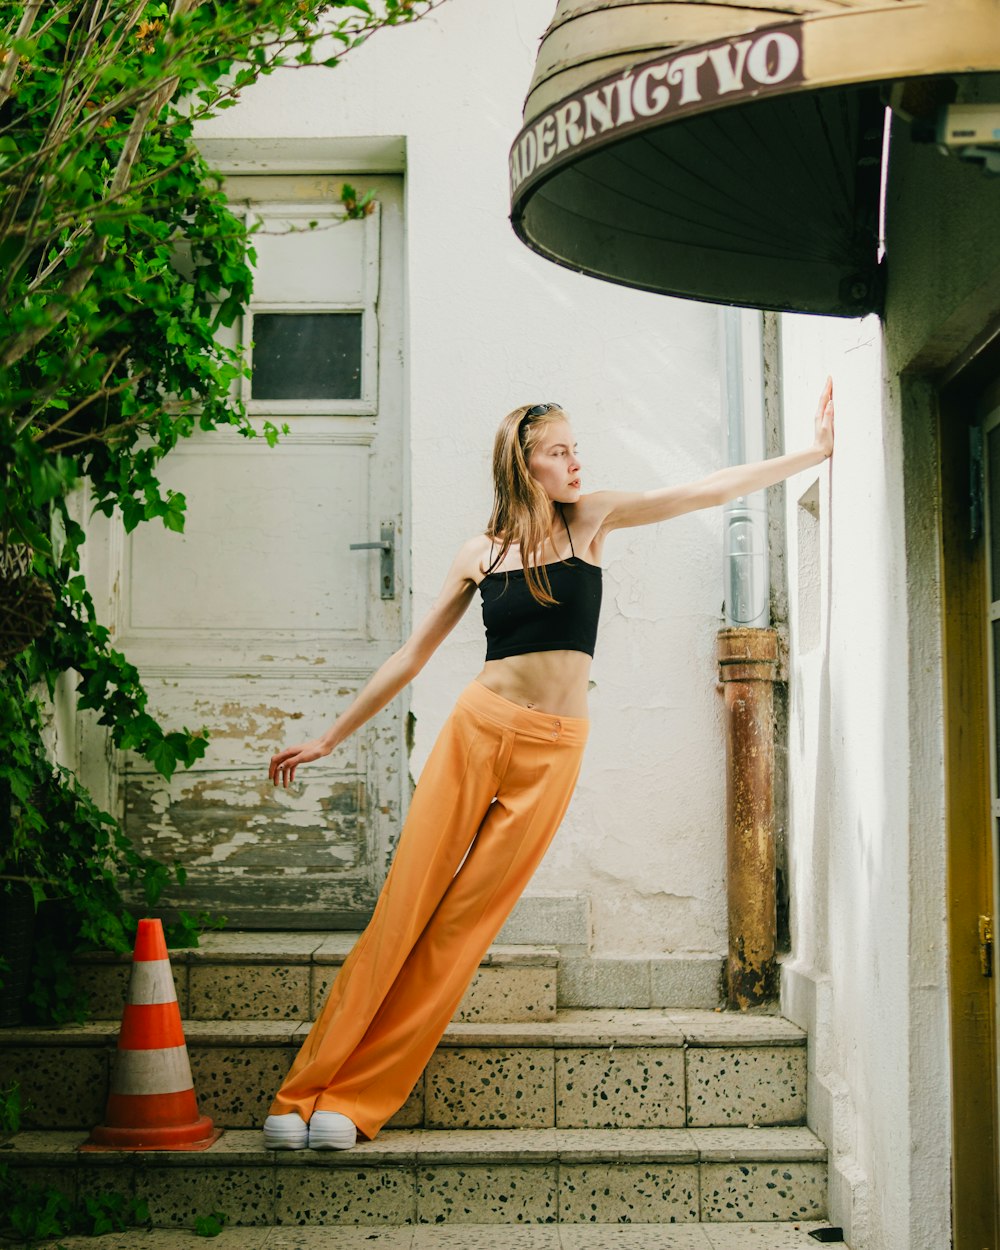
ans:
(260, 622)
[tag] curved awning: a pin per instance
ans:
(729, 151)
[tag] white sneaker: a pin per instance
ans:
(329, 1130)
(286, 1132)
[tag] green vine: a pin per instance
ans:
(11, 1110)
(36, 1212)
(120, 263)
(33, 1212)
(62, 846)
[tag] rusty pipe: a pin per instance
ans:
(748, 669)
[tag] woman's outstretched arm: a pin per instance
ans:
(395, 672)
(623, 509)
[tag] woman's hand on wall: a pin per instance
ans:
(824, 420)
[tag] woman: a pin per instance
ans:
(500, 776)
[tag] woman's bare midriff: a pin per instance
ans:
(546, 681)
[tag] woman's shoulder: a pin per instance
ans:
(586, 519)
(591, 510)
(475, 556)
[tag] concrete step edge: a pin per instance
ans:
(572, 1028)
(747, 1235)
(243, 948)
(426, 1147)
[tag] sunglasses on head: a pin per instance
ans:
(539, 410)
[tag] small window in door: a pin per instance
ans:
(307, 355)
(311, 332)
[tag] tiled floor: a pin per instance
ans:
(473, 1237)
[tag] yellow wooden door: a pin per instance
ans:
(970, 497)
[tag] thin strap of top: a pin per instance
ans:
(496, 559)
(572, 550)
(493, 562)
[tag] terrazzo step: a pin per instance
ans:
(286, 976)
(776, 1236)
(414, 1177)
(585, 1069)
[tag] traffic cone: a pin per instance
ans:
(152, 1105)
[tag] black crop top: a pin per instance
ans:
(517, 624)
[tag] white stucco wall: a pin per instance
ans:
(865, 842)
(492, 326)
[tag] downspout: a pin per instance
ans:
(748, 669)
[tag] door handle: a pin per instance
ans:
(387, 546)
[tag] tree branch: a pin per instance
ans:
(105, 392)
(113, 433)
(31, 10)
(96, 251)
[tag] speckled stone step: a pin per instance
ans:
(285, 976)
(585, 1069)
(753, 1236)
(413, 1177)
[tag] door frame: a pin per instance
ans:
(971, 870)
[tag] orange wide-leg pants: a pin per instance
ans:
(489, 801)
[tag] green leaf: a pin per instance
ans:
(210, 1225)
(163, 758)
(173, 517)
(110, 227)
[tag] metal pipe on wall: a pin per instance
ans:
(748, 669)
(747, 588)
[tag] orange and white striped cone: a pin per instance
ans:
(152, 1104)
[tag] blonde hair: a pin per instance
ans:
(522, 510)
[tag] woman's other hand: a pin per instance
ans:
(284, 764)
(824, 420)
